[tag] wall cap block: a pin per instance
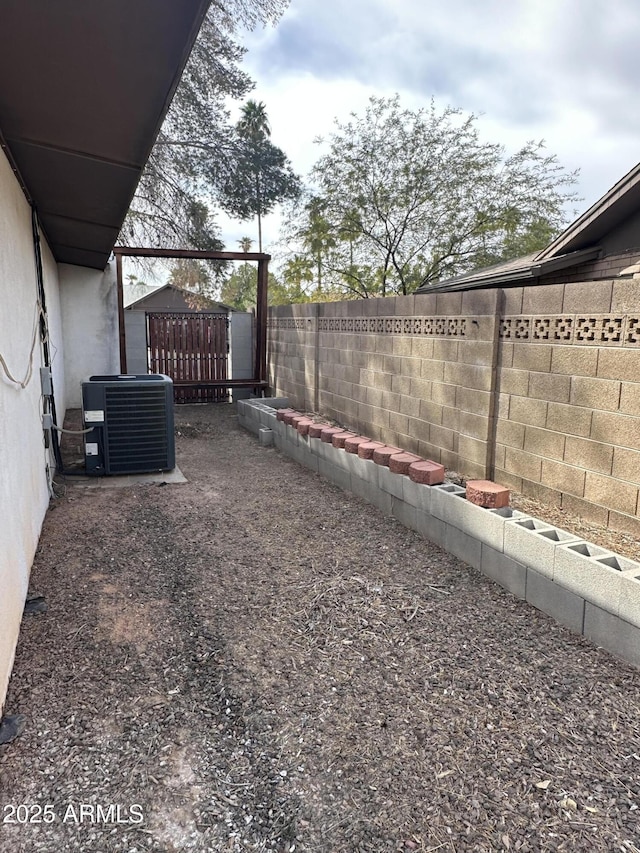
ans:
(351, 444)
(382, 455)
(366, 448)
(487, 494)
(426, 472)
(401, 462)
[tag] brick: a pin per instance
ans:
(626, 429)
(426, 472)
(615, 494)
(401, 462)
(572, 420)
(596, 295)
(593, 455)
(617, 636)
(326, 435)
(510, 433)
(595, 393)
(575, 360)
(544, 442)
(514, 381)
(630, 398)
(382, 455)
(523, 464)
(487, 494)
(290, 416)
(523, 410)
(561, 604)
(315, 430)
(509, 573)
(338, 439)
(535, 357)
(616, 363)
(553, 387)
(366, 448)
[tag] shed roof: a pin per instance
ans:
(84, 88)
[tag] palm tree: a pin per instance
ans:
(254, 128)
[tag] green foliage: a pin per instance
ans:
(403, 198)
(260, 176)
(189, 161)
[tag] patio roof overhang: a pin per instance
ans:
(84, 88)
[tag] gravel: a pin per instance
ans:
(255, 660)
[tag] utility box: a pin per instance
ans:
(130, 422)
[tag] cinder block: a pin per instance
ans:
(630, 399)
(544, 442)
(522, 464)
(534, 543)
(487, 494)
(510, 433)
(564, 478)
(617, 495)
(338, 476)
(444, 500)
(492, 526)
(389, 482)
(370, 493)
(576, 361)
(536, 357)
(265, 437)
(612, 633)
(616, 363)
(592, 455)
(430, 527)
(561, 604)
(366, 469)
(527, 411)
(404, 513)
(590, 571)
(417, 494)
(595, 393)
(463, 546)
(629, 603)
(275, 402)
(553, 387)
(509, 573)
(573, 420)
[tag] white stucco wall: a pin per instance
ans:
(90, 326)
(24, 491)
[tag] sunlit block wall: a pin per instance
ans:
(536, 387)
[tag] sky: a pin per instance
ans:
(565, 71)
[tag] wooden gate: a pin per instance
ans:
(190, 348)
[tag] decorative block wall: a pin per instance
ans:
(535, 387)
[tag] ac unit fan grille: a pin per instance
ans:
(136, 428)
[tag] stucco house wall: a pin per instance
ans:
(24, 461)
(90, 326)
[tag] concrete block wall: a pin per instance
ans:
(568, 398)
(535, 387)
(414, 371)
(587, 588)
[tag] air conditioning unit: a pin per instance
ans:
(131, 424)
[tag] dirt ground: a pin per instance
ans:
(257, 661)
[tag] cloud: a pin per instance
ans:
(561, 71)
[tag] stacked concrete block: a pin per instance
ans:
(587, 588)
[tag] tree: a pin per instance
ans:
(188, 163)
(411, 197)
(260, 175)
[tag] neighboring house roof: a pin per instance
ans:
(84, 88)
(577, 244)
(165, 288)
